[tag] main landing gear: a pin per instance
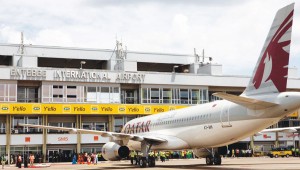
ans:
(214, 158)
(143, 159)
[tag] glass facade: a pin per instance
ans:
(174, 95)
(8, 92)
(120, 121)
(22, 150)
(101, 126)
(28, 95)
(36, 120)
(80, 94)
(61, 124)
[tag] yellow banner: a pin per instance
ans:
(65, 108)
(295, 114)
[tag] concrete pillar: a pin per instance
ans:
(111, 123)
(252, 144)
(44, 146)
(276, 140)
(78, 125)
(8, 137)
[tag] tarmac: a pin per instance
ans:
(181, 164)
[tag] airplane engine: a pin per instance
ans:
(112, 151)
(201, 153)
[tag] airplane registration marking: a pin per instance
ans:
(207, 127)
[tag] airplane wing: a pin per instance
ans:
(286, 129)
(244, 101)
(133, 137)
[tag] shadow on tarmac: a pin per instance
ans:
(192, 166)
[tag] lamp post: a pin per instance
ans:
(82, 63)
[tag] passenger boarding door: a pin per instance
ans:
(225, 115)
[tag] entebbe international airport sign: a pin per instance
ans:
(76, 75)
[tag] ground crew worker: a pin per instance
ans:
(99, 155)
(182, 154)
(162, 156)
(132, 156)
(156, 155)
(3, 160)
(293, 151)
(151, 154)
(232, 153)
(167, 155)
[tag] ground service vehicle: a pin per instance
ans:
(276, 152)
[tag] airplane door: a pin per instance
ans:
(225, 115)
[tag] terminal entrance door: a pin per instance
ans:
(53, 155)
(225, 115)
(66, 155)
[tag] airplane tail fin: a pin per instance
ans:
(271, 71)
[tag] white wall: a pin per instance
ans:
(2, 139)
(26, 139)
(89, 138)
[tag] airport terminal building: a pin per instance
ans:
(102, 90)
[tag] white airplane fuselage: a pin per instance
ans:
(213, 124)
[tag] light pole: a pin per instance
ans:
(82, 63)
(174, 67)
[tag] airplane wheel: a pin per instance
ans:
(143, 162)
(217, 160)
(135, 162)
(151, 162)
(209, 160)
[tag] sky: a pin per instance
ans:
(232, 32)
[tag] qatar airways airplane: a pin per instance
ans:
(211, 125)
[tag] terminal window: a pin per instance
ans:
(174, 95)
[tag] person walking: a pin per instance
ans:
(3, 160)
(19, 161)
(31, 160)
(232, 153)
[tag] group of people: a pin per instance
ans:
(239, 153)
(87, 158)
(165, 155)
(18, 160)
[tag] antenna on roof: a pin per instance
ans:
(200, 59)
(21, 50)
(22, 43)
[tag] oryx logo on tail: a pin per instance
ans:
(271, 70)
(275, 52)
